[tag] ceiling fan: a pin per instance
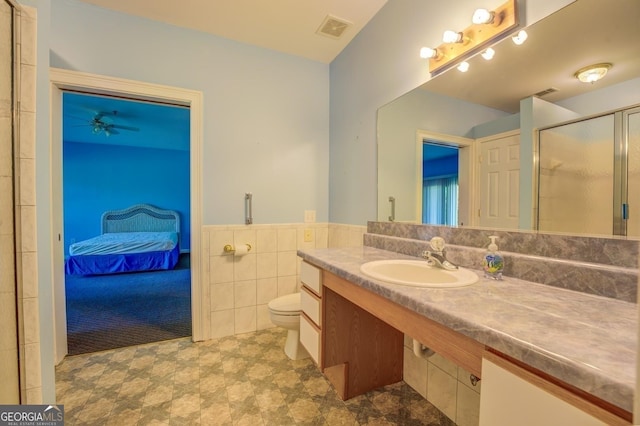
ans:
(101, 123)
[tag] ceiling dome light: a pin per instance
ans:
(463, 67)
(592, 73)
(427, 52)
(520, 37)
(488, 54)
(452, 36)
(482, 16)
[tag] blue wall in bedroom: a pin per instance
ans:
(99, 177)
(443, 166)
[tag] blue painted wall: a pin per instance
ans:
(265, 113)
(100, 177)
(443, 166)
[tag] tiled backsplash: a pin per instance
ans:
(602, 266)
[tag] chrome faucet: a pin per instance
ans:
(437, 257)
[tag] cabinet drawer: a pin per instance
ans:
(310, 277)
(310, 305)
(310, 337)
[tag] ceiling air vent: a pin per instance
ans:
(545, 92)
(333, 27)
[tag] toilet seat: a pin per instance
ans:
(286, 305)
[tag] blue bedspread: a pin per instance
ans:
(125, 242)
(123, 252)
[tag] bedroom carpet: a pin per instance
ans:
(114, 311)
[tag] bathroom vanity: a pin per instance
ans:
(537, 348)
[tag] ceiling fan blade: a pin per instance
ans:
(75, 118)
(117, 126)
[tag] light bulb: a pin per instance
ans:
(452, 37)
(427, 52)
(482, 16)
(488, 54)
(520, 37)
(463, 67)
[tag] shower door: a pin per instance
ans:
(589, 176)
(631, 133)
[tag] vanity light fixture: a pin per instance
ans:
(460, 45)
(520, 37)
(450, 36)
(428, 53)
(592, 73)
(483, 16)
(463, 67)
(488, 54)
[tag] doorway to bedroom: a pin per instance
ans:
(119, 154)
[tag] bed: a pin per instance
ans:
(139, 238)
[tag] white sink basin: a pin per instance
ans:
(417, 273)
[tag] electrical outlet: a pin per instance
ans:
(309, 216)
(308, 235)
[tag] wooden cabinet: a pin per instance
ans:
(355, 350)
(513, 395)
(356, 337)
(360, 351)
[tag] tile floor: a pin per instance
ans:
(238, 380)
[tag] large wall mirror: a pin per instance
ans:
(497, 110)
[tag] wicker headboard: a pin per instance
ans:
(141, 218)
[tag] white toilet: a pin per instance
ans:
(285, 312)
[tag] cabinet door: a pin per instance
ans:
(508, 399)
(310, 338)
(311, 277)
(310, 305)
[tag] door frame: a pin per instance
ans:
(60, 80)
(466, 173)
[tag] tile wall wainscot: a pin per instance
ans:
(237, 289)
(602, 266)
(444, 384)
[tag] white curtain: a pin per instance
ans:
(440, 201)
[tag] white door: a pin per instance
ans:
(499, 181)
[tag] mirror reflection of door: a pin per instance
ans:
(589, 175)
(499, 181)
(439, 184)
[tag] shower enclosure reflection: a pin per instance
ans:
(589, 175)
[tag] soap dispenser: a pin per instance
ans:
(493, 262)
